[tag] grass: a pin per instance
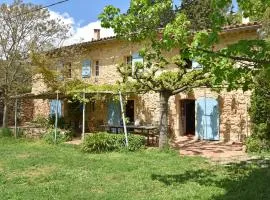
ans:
(33, 170)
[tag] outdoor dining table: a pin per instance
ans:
(148, 131)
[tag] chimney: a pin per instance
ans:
(245, 20)
(96, 34)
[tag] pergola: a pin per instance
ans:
(60, 96)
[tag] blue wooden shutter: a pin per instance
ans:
(56, 106)
(136, 58)
(114, 113)
(196, 65)
(207, 118)
(86, 69)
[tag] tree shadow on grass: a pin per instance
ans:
(249, 180)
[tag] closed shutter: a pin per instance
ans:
(86, 69)
(114, 113)
(207, 118)
(196, 65)
(56, 106)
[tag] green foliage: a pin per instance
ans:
(60, 121)
(198, 12)
(260, 113)
(61, 136)
(42, 121)
(256, 144)
(32, 170)
(106, 142)
(6, 132)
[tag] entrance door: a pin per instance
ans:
(130, 110)
(188, 116)
(207, 117)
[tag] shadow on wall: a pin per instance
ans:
(247, 180)
(233, 121)
(141, 109)
(199, 119)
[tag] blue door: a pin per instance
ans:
(114, 113)
(56, 106)
(207, 118)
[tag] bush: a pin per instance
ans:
(260, 113)
(41, 121)
(105, 142)
(61, 136)
(60, 121)
(6, 132)
(255, 144)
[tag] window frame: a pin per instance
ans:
(97, 68)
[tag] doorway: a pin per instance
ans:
(188, 116)
(130, 110)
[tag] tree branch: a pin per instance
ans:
(235, 57)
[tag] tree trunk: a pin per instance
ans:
(163, 123)
(5, 114)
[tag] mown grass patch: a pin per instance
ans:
(34, 170)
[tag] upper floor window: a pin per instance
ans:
(192, 64)
(68, 70)
(86, 69)
(128, 60)
(136, 58)
(97, 68)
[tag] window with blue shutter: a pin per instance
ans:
(136, 58)
(207, 118)
(86, 69)
(56, 106)
(196, 65)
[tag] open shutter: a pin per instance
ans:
(56, 106)
(207, 118)
(196, 65)
(114, 113)
(136, 58)
(86, 69)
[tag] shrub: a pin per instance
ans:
(256, 144)
(60, 121)
(61, 136)
(6, 132)
(105, 142)
(260, 113)
(41, 121)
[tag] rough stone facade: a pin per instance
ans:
(234, 119)
(25, 111)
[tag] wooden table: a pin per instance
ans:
(148, 131)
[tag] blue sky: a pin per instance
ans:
(82, 15)
(83, 11)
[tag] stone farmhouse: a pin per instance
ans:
(207, 114)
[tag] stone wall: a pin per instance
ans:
(233, 109)
(41, 108)
(234, 119)
(25, 111)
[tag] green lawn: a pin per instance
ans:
(32, 170)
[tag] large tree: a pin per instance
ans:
(143, 23)
(25, 28)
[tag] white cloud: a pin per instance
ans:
(86, 33)
(80, 33)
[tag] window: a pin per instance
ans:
(97, 68)
(68, 70)
(129, 60)
(196, 65)
(188, 64)
(136, 58)
(86, 69)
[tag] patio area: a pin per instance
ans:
(214, 150)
